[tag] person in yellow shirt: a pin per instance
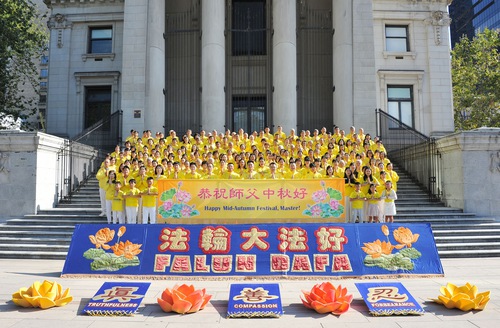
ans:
(117, 204)
(132, 196)
(373, 197)
(292, 173)
(230, 174)
(250, 173)
(392, 175)
(357, 199)
(389, 196)
(273, 174)
(148, 196)
(193, 173)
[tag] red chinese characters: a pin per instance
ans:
(174, 240)
(292, 239)
(215, 240)
(330, 239)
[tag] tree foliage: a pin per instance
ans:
(23, 39)
(476, 81)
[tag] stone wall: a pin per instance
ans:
(471, 170)
(34, 174)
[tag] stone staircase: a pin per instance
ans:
(47, 235)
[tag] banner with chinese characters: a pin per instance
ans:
(277, 249)
(247, 201)
(388, 298)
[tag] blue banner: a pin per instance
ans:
(254, 301)
(277, 249)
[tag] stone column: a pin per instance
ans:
(133, 89)
(213, 65)
(154, 114)
(285, 64)
(343, 112)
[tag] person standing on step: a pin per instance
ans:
(149, 195)
(389, 196)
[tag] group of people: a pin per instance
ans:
(129, 176)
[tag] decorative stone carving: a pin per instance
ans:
(59, 22)
(4, 158)
(438, 19)
(495, 162)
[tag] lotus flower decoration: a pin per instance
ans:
(465, 297)
(183, 299)
(325, 298)
(43, 295)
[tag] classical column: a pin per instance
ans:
(285, 64)
(212, 65)
(154, 114)
(343, 112)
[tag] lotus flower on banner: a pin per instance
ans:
(325, 297)
(183, 299)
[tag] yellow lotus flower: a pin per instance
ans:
(377, 248)
(465, 297)
(325, 298)
(102, 237)
(43, 295)
(405, 237)
(183, 299)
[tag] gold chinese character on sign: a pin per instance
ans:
(386, 293)
(257, 295)
(120, 294)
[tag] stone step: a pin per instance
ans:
(71, 211)
(445, 239)
(36, 240)
(36, 228)
(40, 233)
(28, 248)
(79, 205)
(42, 255)
(56, 221)
(425, 209)
(469, 253)
(466, 232)
(423, 217)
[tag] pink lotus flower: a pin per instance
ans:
(183, 196)
(167, 206)
(334, 204)
(324, 298)
(183, 299)
(319, 196)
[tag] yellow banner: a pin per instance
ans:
(249, 201)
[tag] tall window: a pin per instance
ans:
(249, 113)
(97, 104)
(249, 27)
(400, 103)
(396, 38)
(100, 40)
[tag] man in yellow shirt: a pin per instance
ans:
(149, 195)
(357, 199)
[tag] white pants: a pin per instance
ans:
(102, 197)
(131, 212)
(357, 212)
(118, 217)
(151, 212)
(108, 211)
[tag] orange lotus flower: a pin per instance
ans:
(385, 230)
(43, 295)
(121, 231)
(377, 248)
(405, 237)
(127, 249)
(102, 237)
(324, 298)
(183, 299)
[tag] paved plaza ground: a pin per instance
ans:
(483, 272)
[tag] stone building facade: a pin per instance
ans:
(230, 64)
